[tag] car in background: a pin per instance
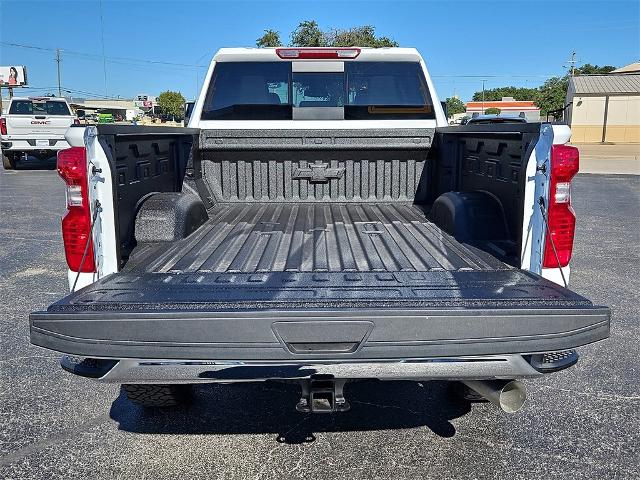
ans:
(488, 119)
(106, 118)
(34, 126)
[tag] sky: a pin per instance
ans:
(152, 46)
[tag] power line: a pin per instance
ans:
(123, 60)
(31, 89)
(506, 75)
(197, 65)
(97, 56)
(32, 47)
(93, 94)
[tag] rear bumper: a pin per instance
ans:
(317, 336)
(489, 367)
(27, 145)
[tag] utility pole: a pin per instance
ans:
(572, 63)
(58, 60)
(104, 59)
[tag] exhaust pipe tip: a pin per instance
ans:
(513, 396)
(509, 395)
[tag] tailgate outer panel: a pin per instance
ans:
(249, 335)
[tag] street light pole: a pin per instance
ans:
(483, 97)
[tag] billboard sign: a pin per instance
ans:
(143, 103)
(13, 76)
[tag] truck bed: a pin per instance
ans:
(289, 269)
(338, 255)
(275, 281)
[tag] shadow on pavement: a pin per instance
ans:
(35, 163)
(254, 408)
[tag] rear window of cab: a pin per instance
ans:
(274, 91)
(36, 107)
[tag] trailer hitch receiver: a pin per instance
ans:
(322, 395)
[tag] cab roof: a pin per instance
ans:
(365, 54)
(60, 99)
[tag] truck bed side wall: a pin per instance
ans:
(490, 158)
(144, 160)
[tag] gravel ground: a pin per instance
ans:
(581, 423)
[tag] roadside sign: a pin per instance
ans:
(13, 76)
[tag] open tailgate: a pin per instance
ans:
(323, 315)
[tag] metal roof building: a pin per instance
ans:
(605, 84)
(605, 108)
(631, 68)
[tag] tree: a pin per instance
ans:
(271, 38)
(588, 69)
(552, 95)
(364, 36)
(495, 94)
(492, 111)
(172, 103)
(455, 105)
(308, 34)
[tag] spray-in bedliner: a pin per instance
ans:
(317, 255)
(318, 237)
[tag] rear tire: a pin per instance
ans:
(8, 162)
(158, 395)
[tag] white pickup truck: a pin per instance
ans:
(34, 126)
(318, 223)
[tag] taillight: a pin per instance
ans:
(3, 126)
(317, 53)
(565, 162)
(76, 224)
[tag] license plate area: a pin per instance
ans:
(42, 143)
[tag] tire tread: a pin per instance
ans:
(156, 395)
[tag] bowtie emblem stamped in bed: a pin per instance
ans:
(317, 172)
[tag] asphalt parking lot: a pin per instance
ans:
(581, 423)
